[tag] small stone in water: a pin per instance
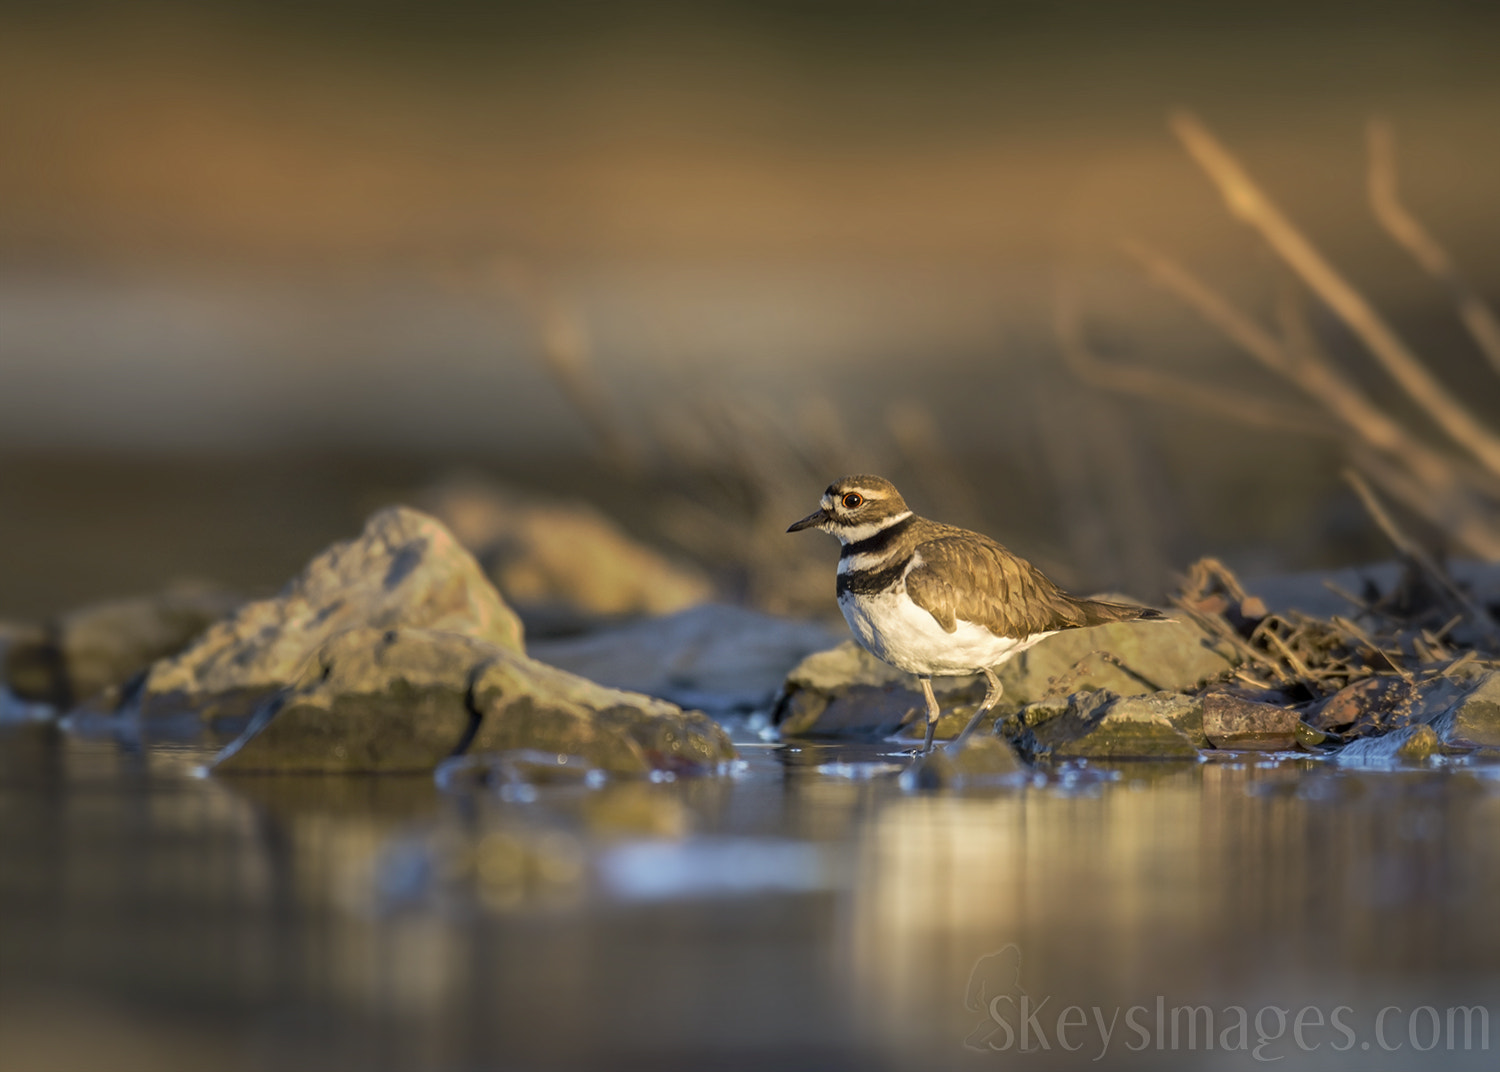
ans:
(1230, 722)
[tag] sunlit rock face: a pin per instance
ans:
(404, 570)
(405, 699)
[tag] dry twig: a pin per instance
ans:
(1246, 201)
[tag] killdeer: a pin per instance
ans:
(933, 599)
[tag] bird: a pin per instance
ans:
(936, 600)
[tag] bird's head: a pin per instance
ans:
(855, 508)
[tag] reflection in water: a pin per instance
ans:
(1220, 884)
(803, 911)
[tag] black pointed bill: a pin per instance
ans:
(812, 520)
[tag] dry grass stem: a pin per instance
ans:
(1144, 382)
(1247, 202)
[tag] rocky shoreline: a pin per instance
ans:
(395, 651)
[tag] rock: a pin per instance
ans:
(1182, 713)
(1311, 738)
(983, 760)
(405, 569)
(848, 691)
(1232, 722)
(1378, 705)
(1103, 725)
(407, 699)
(563, 566)
(527, 704)
(102, 646)
(714, 657)
(1358, 702)
(1411, 744)
(1420, 744)
(1473, 721)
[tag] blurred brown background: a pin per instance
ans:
(265, 266)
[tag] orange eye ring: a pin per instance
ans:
(852, 500)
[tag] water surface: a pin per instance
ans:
(802, 911)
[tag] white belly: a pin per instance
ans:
(892, 627)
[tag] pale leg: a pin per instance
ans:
(991, 698)
(933, 712)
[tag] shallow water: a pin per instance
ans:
(801, 911)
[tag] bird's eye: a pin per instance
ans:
(852, 500)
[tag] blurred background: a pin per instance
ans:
(265, 266)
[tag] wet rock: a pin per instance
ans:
(1420, 744)
(1183, 713)
(1411, 744)
(405, 569)
(983, 760)
(563, 566)
(1358, 703)
(100, 647)
(407, 699)
(1473, 721)
(1232, 722)
(848, 691)
(714, 657)
(1379, 705)
(1103, 725)
(1313, 739)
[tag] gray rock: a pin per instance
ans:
(714, 657)
(1473, 720)
(101, 647)
(1236, 723)
(563, 566)
(406, 699)
(846, 691)
(849, 691)
(1182, 713)
(1103, 725)
(405, 569)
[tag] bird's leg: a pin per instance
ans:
(991, 698)
(933, 712)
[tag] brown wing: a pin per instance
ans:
(972, 578)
